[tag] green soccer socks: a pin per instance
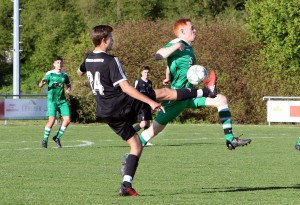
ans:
(46, 134)
(225, 117)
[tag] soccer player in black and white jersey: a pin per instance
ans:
(144, 85)
(118, 103)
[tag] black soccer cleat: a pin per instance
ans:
(44, 144)
(57, 141)
(122, 171)
(236, 142)
(297, 147)
(127, 191)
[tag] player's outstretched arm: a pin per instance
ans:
(166, 52)
(131, 91)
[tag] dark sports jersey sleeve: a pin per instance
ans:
(82, 67)
(117, 73)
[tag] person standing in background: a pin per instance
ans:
(144, 85)
(56, 101)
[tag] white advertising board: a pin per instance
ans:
(23, 109)
(283, 111)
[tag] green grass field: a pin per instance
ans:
(189, 164)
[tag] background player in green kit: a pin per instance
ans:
(297, 146)
(180, 56)
(57, 102)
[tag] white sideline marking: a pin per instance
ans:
(84, 143)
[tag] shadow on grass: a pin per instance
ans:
(241, 189)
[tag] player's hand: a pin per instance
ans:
(43, 81)
(157, 107)
(68, 91)
(160, 108)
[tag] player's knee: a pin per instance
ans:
(164, 94)
(66, 121)
(222, 99)
(142, 124)
(169, 93)
(136, 150)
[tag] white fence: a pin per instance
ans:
(23, 109)
(282, 109)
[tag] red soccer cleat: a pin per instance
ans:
(127, 191)
(211, 83)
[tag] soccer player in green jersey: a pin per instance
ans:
(57, 102)
(297, 146)
(180, 56)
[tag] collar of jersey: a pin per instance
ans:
(99, 52)
(145, 80)
(179, 39)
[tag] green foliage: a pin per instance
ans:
(5, 74)
(198, 8)
(277, 25)
(6, 43)
(45, 34)
(223, 46)
(81, 101)
(6, 27)
(116, 11)
(245, 75)
(82, 104)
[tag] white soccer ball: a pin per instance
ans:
(196, 73)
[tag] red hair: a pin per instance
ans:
(178, 24)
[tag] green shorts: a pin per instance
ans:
(174, 108)
(62, 108)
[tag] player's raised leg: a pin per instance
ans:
(166, 94)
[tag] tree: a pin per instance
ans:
(277, 25)
(6, 27)
(48, 27)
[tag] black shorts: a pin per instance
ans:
(121, 123)
(145, 113)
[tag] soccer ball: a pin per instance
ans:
(196, 73)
